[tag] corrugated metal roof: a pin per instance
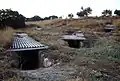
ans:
(72, 37)
(78, 35)
(23, 42)
(112, 27)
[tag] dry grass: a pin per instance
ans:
(5, 36)
(77, 79)
(86, 25)
(103, 49)
(116, 22)
(41, 23)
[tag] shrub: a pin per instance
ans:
(11, 18)
(103, 49)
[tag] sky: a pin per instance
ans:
(44, 8)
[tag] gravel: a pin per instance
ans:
(47, 74)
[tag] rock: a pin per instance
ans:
(47, 62)
(48, 74)
(38, 28)
(98, 74)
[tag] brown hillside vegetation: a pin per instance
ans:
(98, 63)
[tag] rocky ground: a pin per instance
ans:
(48, 74)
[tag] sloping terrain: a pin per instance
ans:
(98, 63)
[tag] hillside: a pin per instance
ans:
(98, 63)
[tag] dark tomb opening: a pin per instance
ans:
(79, 40)
(79, 44)
(75, 43)
(28, 60)
(28, 51)
(74, 38)
(107, 30)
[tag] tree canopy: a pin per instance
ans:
(70, 15)
(11, 18)
(107, 13)
(117, 12)
(38, 18)
(35, 18)
(84, 12)
(53, 17)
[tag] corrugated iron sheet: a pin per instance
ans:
(78, 35)
(72, 37)
(21, 43)
(112, 27)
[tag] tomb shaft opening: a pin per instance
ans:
(28, 51)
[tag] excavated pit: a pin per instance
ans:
(28, 60)
(75, 43)
(78, 39)
(80, 44)
(108, 30)
(29, 51)
(31, 59)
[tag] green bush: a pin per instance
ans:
(11, 18)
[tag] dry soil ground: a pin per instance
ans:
(98, 63)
